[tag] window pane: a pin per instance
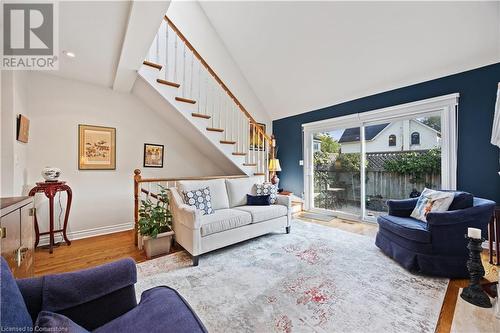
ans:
(337, 171)
(403, 169)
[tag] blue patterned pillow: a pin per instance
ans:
(268, 189)
(200, 199)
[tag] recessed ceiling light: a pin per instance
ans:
(69, 54)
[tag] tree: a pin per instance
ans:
(433, 122)
(328, 144)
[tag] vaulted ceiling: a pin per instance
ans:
(301, 56)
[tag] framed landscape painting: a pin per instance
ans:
(96, 147)
(153, 155)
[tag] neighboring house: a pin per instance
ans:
(316, 144)
(403, 135)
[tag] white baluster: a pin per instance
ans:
(183, 70)
(176, 39)
(167, 70)
(199, 88)
(206, 93)
(191, 95)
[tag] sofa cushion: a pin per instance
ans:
(264, 213)
(237, 189)
(406, 227)
(224, 219)
(431, 201)
(258, 200)
(13, 312)
(217, 188)
(200, 199)
(462, 200)
(161, 309)
(267, 188)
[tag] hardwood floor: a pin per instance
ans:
(94, 251)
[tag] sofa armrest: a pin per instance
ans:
(182, 213)
(477, 216)
(448, 229)
(284, 200)
(402, 208)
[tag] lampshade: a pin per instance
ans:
(274, 165)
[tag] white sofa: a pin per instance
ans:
(232, 222)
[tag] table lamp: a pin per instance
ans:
(274, 166)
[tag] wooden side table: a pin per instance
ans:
(50, 189)
(494, 236)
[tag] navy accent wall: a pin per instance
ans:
(478, 159)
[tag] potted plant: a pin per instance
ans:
(155, 224)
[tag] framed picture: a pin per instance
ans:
(153, 155)
(96, 148)
(256, 141)
(23, 128)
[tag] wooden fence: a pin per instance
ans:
(386, 185)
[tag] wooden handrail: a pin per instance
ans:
(216, 77)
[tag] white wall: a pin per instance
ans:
(191, 20)
(102, 200)
(14, 153)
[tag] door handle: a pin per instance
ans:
(3, 232)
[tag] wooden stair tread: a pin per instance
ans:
(152, 64)
(213, 129)
(259, 174)
(200, 115)
(249, 164)
(227, 142)
(168, 83)
(239, 154)
(185, 100)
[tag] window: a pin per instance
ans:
(392, 140)
(415, 138)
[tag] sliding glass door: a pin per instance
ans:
(354, 164)
(337, 172)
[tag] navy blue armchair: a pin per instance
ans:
(438, 247)
(100, 299)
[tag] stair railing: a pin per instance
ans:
(182, 66)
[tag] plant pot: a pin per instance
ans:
(159, 245)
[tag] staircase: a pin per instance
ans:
(176, 71)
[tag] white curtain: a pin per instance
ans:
(495, 133)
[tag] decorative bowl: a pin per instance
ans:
(51, 174)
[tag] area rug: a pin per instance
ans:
(315, 279)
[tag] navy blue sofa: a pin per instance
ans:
(100, 299)
(438, 247)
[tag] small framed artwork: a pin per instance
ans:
(23, 128)
(153, 155)
(257, 142)
(96, 147)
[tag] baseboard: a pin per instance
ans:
(74, 235)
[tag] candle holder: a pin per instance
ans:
(474, 293)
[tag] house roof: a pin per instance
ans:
(353, 134)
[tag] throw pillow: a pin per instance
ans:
(268, 188)
(50, 321)
(431, 201)
(258, 200)
(200, 199)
